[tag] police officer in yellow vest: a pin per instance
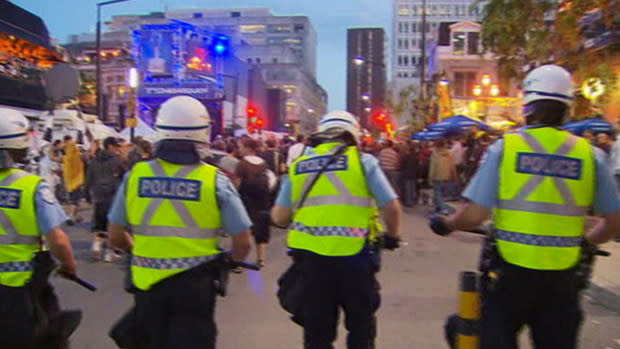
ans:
(539, 183)
(29, 213)
(176, 206)
(330, 200)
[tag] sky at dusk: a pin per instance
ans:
(330, 19)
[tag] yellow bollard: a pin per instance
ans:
(469, 311)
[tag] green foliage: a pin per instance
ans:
(516, 32)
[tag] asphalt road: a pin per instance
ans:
(419, 289)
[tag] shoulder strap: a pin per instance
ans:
(341, 148)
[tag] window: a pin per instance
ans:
(275, 60)
(464, 83)
(414, 10)
(257, 60)
(457, 10)
(400, 43)
(280, 28)
(299, 28)
(403, 10)
(406, 61)
(235, 14)
(400, 27)
(406, 27)
(399, 75)
(458, 43)
(405, 75)
(414, 27)
(473, 41)
(197, 15)
(414, 42)
(414, 60)
(406, 44)
(252, 29)
(400, 60)
(250, 60)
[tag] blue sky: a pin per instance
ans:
(330, 19)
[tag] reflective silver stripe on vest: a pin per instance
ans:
(519, 203)
(159, 231)
(170, 263)
(344, 196)
(539, 240)
(12, 237)
(190, 229)
(9, 267)
(330, 231)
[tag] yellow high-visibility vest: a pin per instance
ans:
(546, 185)
(19, 231)
(339, 211)
(175, 218)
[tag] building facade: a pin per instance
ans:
(282, 47)
(469, 78)
(366, 73)
(407, 29)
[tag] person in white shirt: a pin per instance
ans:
(296, 150)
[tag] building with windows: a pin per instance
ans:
(471, 78)
(366, 76)
(407, 29)
(283, 48)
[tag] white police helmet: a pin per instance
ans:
(182, 118)
(13, 130)
(340, 120)
(548, 82)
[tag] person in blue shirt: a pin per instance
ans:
(539, 182)
(29, 215)
(329, 202)
(174, 254)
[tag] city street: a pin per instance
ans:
(419, 289)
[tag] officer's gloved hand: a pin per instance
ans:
(438, 225)
(390, 243)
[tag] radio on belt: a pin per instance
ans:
(169, 188)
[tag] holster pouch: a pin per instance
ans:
(291, 288)
(584, 267)
(490, 264)
(222, 273)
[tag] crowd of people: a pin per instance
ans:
(421, 172)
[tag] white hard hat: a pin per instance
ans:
(342, 120)
(548, 82)
(183, 118)
(13, 130)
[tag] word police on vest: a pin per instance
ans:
(549, 165)
(317, 163)
(9, 198)
(169, 188)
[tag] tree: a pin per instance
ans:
(526, 33)
(517, 33)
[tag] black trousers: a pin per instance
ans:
(17, 320)
(339, 282)
(547, 301)
(177, 313)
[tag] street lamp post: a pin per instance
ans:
(98, 49)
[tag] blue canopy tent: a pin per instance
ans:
(427, 135)
(457, 123)
(596, 125)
